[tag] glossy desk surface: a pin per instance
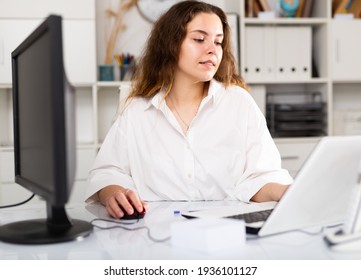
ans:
(118, 243)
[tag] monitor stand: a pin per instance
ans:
(56, 228)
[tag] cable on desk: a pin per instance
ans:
(318, 232)
(322, 229)
(18, 204)
(121, 225)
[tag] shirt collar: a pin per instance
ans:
(157, 101)
(214, 93)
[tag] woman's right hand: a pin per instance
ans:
(118, 200)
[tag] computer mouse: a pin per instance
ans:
(135, 216)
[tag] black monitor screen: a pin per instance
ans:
(36, 147)
(44, 136)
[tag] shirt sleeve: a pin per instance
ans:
(111, 166)
(263, 160)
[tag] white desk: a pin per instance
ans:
(135, 245)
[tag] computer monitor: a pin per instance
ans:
(44, 136)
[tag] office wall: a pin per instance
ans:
(136, 29)
(131, 39)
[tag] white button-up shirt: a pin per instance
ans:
(227, 154)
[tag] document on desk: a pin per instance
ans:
(231, 210)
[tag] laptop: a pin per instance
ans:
(319, 196)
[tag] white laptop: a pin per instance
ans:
(319, 196)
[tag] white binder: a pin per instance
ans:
(304, 51)
(293, 53)
(281, 53)
(254, 53)
(269, 53)
(233, 23)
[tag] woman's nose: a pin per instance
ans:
(211, 47)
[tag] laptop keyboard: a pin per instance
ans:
(253, 217)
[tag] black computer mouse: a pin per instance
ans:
(135, 216)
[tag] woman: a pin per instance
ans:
(190, 130)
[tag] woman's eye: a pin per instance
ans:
(201, 40)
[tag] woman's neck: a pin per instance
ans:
(184, 101)
(185, 94)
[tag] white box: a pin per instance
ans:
(208, 235)
(353, 123)
(347, 122)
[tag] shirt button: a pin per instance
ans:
(190, 176)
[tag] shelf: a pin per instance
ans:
(286, 21)
(6, 86)
(6, 148)
(275, 82)
(111, 83)
(82, 85)
(346, 82)
(338, 20)
(294, 140)
(108, 84)
(86, 146)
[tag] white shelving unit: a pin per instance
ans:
(335, 52)
(333, 43)
(17, 21)
(346, 76)
(295, 150)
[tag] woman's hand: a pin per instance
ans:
(118, 200)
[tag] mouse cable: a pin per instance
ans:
(18, 204)
(122, 226)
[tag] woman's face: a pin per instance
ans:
(201, 51)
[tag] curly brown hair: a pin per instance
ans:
(157, 65)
